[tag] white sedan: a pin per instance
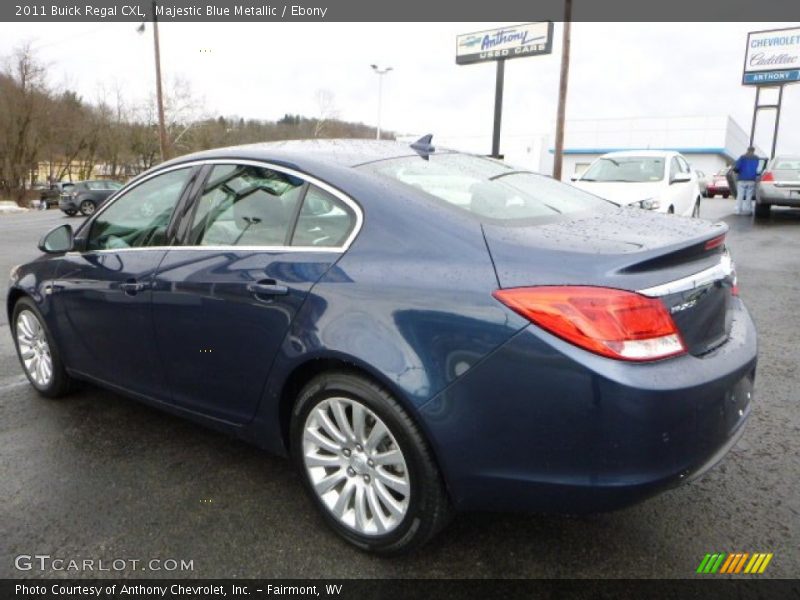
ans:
(655, 180)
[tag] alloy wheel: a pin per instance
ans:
(87, 207)
(356, 467)
(34, 348)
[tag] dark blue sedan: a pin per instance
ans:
(421, 330)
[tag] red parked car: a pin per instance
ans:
(719, 185)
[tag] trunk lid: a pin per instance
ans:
(679, 260)
(786, 178)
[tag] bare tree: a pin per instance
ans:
(115, 117)
(326, 111)
(22, 103)
(183, 111)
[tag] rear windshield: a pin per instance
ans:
(790, 164)
(629, 169)
(488, 188)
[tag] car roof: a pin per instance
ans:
(653, 153)
(310, 153)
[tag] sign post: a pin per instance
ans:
(771, 59)
(517, 41)
(498, 106)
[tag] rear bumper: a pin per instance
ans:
(715, 189)
(770, 194)
(541, 425)
(67, 203)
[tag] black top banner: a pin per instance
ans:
(408, 10)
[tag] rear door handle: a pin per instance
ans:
(132, 286)
(267, 287)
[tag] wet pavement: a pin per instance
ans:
(98, 476)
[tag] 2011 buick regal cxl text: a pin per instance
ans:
(421, 330)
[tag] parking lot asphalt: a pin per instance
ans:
(98, 476)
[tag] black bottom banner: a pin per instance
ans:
(364, 589)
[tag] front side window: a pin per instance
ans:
(139, 217)
(674, 168)
(487, 188)
(244, 205)
(626, 169)
(324, 220)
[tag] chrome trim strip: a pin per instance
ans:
(354, 206)
(719, 271)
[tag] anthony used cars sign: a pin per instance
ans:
(772, 57)
(515, 41)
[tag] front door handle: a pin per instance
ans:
(267, 287)
(131, 287)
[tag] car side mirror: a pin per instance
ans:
(60, 239)
(681, 178)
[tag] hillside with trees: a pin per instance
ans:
(51, 134)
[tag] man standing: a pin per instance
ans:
(746, 169)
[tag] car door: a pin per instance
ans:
(677, 191)
(685, 191)
(103, 292)
(690, 189)
(254, 244)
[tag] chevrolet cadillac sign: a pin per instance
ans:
(516, 41)
(772, 57)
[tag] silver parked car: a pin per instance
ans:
(779, 184)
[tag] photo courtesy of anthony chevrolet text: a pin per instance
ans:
(363, 300)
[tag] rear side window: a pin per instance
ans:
(324, 220)
(243, 205)
(103, 185)
(487, 188)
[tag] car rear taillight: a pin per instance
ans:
(767, 176)
(715, 242)
(614, 323)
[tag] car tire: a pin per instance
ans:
(87, 208)
(352, 505)
(762, 211)
(726, 195)
(70, 212)
(710, 195)
(44, 367)
(696, 209)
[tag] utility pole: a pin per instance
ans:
(380, 72)
(498, 106)
(162, 129)
(562, 90)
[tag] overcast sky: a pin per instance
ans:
(264, 70)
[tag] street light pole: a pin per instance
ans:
(162, 129)
(380, 72)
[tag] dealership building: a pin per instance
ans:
(709, 143)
